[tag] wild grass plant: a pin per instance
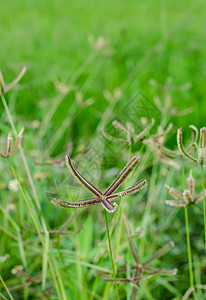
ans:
(119, 97)
(155, 142)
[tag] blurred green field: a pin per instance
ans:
(144, 40)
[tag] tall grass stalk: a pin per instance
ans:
(189, 252)
(189, 246)
(120, 218)
(19, 237)
(21, 152)
(147, 213)
(204, 205)
(6, 288)
(120, 213)
(111, 256)
(70, 279)
(2, 296)
(78, 264)
(45, 257)
(61, 294)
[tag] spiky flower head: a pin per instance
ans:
(187, 197)
(105, 199)
(9, 149)
(6, 88)
(202, 145)
(128, 132)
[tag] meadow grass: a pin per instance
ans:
(148, 40)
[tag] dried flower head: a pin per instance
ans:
(101, 198)
(17, 269)
(4, 258)
(6, 88)
(202, 146)
(81, 102)
(99, 44)
(113, 96)
(129, 132)
(186, 198)
(156, 143)
(9, 149)
(62, 88)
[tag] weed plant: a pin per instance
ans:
(104, 109)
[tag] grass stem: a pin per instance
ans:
(111, 256)
(204, 207)
(6, 288)
(57, 281)
(189, 252)
(23, 157)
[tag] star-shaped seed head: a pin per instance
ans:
(186, 198)
(108, 197)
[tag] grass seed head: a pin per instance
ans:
(187, 197)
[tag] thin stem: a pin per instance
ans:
(204, 205)
(120, 215)
(57, 281)
(78, 264)
(111, 256)
(23, 157)
(6, 288)
(183, 174)
(189, 247)
(189, 252)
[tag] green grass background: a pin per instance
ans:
(149, 39)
